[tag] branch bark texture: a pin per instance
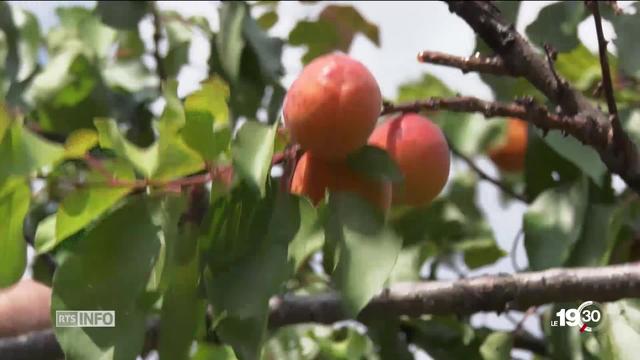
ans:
(521, 59)
(486, 293)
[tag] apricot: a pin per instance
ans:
(313, 177)
(421, 151)
(332, 107)
(509, 156)
(24, 307)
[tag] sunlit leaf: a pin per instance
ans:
(497, 346)
(14, 203)
(86, 204)
(79, 142)
(252, 150)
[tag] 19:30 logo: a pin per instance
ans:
(587, 317)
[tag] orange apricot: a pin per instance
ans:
(509, 156)
(421, 151)
(313, 177)
(332, 107)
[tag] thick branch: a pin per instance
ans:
(522, 59)
(467, 296)
(490, 65)
(486, 293)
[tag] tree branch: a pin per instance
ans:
(490, 65)
(607, 84)
(466, 296)
(522, 59)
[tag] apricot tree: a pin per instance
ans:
(246, 220)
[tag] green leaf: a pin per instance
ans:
(207, 351)
(601, 227)
(552, 225)
(23, 153)
(5, 121)
(375, 163)
(241, 280)
(167, 158)
(584, 157)
(557, 25)
(86, 204)
(544, 167)
(79, 142)
(108, 269)
(320, 37)
(480, 252)
(173, 117)
(79, 24)
(368, 249)
(410, 261)
(8, 26)
(334, 29)
(267, 49)
(349, 22)
(252, 150)
(207, 129)
(14, 204)
(229, 41)
(66, 94)
(144, 160)
(267, 20)
(497, 346)
(309, 238)
(182, 308)
(129, 75)
(621, 334)
(580, 67)
(124, 15)
(626, 27)
(45, 234)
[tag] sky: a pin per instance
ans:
(405, 29)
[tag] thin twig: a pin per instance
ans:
(519, 326)
(503, 187)
(618, 132)
(489, 65)
(514, 247)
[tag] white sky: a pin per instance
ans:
(405, 29)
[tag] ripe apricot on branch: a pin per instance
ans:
(332, 107)
(314, 176)
(509, 156)
(421, 151)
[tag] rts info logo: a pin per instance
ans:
(587, 317)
